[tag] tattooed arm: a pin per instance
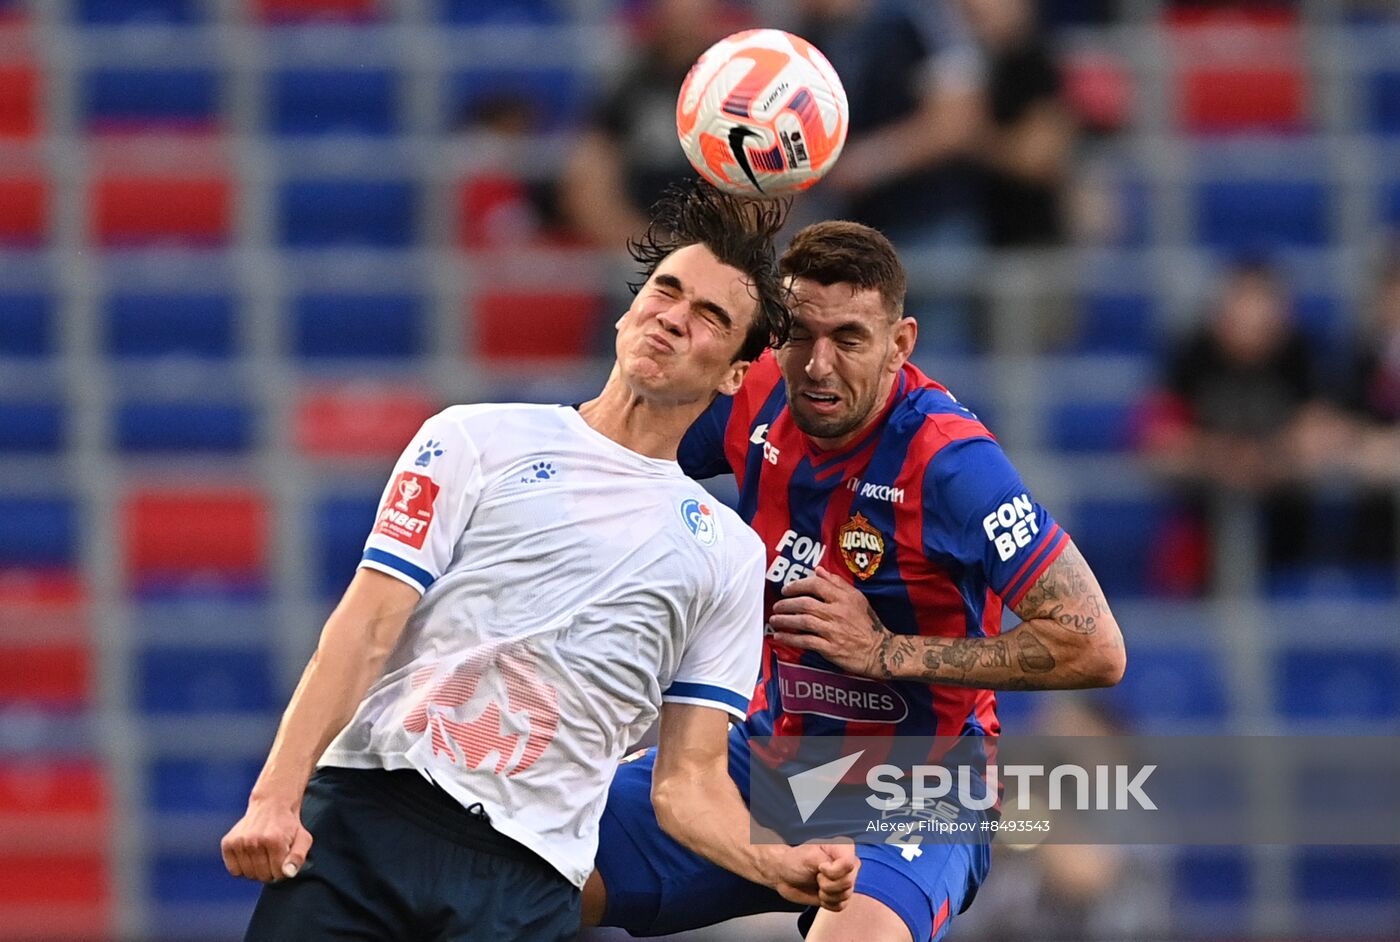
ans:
(1068, 637)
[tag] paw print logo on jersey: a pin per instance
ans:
(492, 703)
(701, 521)
(429, 450)
(540, 471)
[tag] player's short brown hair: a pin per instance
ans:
(847, 252)
(740, 234)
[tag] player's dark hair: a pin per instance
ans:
(848, 253)
(740, 234)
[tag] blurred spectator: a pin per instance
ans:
(914, 80)
(1361, 440)
(1236, 393)
(1073, 892)
(624, 160)
(1024, 156)
(504, 203)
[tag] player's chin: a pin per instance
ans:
(817, 425)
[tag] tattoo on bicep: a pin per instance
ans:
(1065, 594)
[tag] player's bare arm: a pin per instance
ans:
(1068, 638)
(269, 842)
(697, 803)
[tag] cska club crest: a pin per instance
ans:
(862, 546)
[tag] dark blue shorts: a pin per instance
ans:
(395, 858)
(655, 886)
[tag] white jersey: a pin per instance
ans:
(570, 585)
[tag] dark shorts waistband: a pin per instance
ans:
(409, 794)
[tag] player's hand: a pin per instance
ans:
(267, 844)
(826, 614)
(818, 875)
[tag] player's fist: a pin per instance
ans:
(817, 875)
(267, 844)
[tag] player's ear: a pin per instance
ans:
(734, 378)
(906, 331)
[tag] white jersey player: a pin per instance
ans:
(541, 583)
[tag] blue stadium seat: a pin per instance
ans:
(1115, 537)
(1390, 204)
(1357, 683)
(27, 326)
(32, 427)
(1168, 687)
(197, 879)
(341, 525)
(322, 213)
(306, 101)
(1090, 426)
(338, 326)
(158, 96)
(1323, 320)
(1212, 875)
(1117, 324)
(144, 325)
(204, 680)
(37, 532)
(200, 786)
(1383, 102)
(1331, 875)
(114, 12)
(184, 426)
(1249, 215)
(557, 96)
(479, 12)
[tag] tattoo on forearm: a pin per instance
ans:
(1033, 656)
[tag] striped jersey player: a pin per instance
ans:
(896, 535)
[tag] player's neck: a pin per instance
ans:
(639, 425)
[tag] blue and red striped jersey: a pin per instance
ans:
(923, 513)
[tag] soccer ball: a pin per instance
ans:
(762, 114)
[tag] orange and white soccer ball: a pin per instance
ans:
(762, 114)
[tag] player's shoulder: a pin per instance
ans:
(931, 418)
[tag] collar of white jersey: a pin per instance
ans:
(664, 466)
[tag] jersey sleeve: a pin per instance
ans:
(978, 511)
(701, 453)
(426, 504)
(719, 666)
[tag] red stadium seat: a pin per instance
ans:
(42, 603)
(291, 11)
(54, 821)
(1239, 69)
(360, 420)
(138, 210)
(536, 326)
(24, 210)
(180, 534)
(46, 675)
(19, 101)
(52, 805)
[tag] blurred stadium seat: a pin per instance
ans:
(360, 327)
(126, 99)
(35, 426)
(143, 211)
(156, 325)
(184, 427)
(360, 101)
(325, 213)
(27, 326)
(201, 534)
(24, 211)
